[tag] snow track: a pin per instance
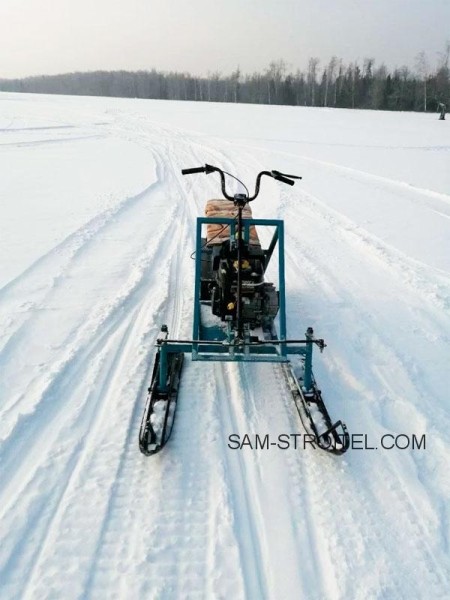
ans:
(82, 513)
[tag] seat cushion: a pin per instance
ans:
(216, 234)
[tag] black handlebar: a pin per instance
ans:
(283, 177)
(192, 171)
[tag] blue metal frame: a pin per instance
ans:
(223, 349)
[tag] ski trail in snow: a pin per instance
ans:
(413, 192)
(85, 423)
(65, 384)
(267, 485)
(319, 274)
(127, 468)
(173, 260)
(433, 283)
(35, 282)
(74, 479)
(100, 312)
(244, 510)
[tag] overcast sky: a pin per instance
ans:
(55, 36)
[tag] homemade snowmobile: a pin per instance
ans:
(234, 318)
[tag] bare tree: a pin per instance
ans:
(235, 83)
(423, 69)
(329, 77)
(378, 91)
(275, 75)
(312, 74)
(354, 71)
(339, 82)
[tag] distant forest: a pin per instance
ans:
(334, 84)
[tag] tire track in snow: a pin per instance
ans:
(277, 523)
(168, 511)
(294, 534)
(177, 540)
(65, 386)
(356, 520)
(34, 280)
(64, 281)
(98, 399)
(432, 283)
(315, 569)
(51, 141)
(133, 473)
(107, 315)
(432, 570)
(434, 323)
(246, 525)
(317, 269)
(97, 470)
(356, 174)
(349, 536)
(83, 356)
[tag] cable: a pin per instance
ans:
(237, 179)
(210, 240)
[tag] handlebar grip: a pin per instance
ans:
(193, 170)
(284, 179)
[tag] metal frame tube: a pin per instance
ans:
(308, 379)
(240, 327)
(282, 285)
(163, 367)
(198, 278)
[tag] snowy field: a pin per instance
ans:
(96, 232)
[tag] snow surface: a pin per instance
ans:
(96, 232)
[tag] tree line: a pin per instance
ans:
(335, 84)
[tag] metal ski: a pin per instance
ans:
(159, 414)
(311, 408)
